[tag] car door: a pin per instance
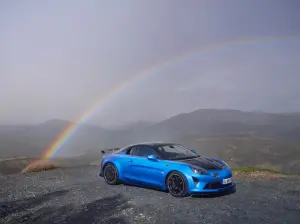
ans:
(143, 171)
(129, 172)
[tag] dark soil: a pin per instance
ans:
(79, 195)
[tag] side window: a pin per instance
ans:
(133, 151)
(145, 151)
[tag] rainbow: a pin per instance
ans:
(71, 129)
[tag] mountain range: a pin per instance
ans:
(242, 138)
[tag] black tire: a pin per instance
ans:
(177, 184)
(110, 174)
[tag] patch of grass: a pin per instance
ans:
(40, 165)
(247, 169)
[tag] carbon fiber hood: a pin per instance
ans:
(205, 163)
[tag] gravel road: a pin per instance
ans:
(78, 195)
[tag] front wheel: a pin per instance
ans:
(110, 174)
(177, 184)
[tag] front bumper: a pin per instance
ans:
(211, 191)
(211, 183)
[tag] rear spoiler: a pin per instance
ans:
(105, 151)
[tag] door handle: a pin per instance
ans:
(130, 161)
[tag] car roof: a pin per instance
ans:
(153, 144)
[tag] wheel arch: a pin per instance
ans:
(107, 162)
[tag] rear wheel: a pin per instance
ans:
(177, 184)
(110, 174)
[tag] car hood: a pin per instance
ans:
(203, 162)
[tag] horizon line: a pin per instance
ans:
(228, 109)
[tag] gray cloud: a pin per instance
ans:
(59, 57)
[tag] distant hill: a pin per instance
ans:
(209, 122)
(242, 138)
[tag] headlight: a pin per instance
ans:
(198, 170)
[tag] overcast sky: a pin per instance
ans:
(59, 57)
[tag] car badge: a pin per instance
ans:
(215, 175)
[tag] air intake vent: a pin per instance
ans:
(216, 185)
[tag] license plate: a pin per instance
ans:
(227, 181)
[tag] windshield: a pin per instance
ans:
(175, 152)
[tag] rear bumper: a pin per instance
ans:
(100, 174)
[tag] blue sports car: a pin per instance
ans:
(166, 166)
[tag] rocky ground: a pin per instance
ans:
(78, 195)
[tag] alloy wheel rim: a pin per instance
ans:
(110, 173)
(176, 184)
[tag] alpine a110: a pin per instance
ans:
(166, 166)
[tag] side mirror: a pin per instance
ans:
(152, 157)
(194, 151)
